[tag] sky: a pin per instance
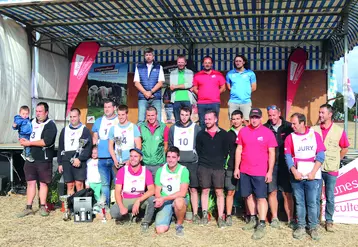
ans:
(352, 70)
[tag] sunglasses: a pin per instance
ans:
(273, 107)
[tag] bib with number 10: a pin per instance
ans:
(184, 138)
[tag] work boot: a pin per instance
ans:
(179, 230)
(292, 224)
(229, 220)
(43, 211)
(251, 224)
(299, 233)
(221, 223)
(329, 227)
(275, 223)
(196, 219)
(144, 227)
(259, 231)
(205, 219)
(314, 234)
(25, 212)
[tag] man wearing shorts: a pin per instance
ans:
(183, 136)
(280, 176)
(154, 141)
(212, 146)
(230, 180)
(42, 142)
(171, 187)
(241, 82)
(123, 137)
(134, 191)
(254, 163)
(74, 169)
(100, 131)
(208, 85)
(304, 153)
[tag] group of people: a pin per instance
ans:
(155, 168)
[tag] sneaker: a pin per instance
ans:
(259, 232)
(221, 222)
(251, 224)
(196, 219)
(43, 212)
(144, 227)
(205, 219)
(314, 234)
(275, 223)
(25, 212)
(299, 233)
(23, 155)
(179, 230)
(292, 224)
(229, 220)
(29, 158)
(329, 227)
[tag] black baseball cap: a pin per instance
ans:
(255, 112)
(137, 150)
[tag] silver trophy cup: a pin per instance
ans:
(118, 141)
(67, 213)
(81, 145)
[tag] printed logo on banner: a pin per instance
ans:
(78, 64)
(346, 195)
(293, 71)
(90, 119)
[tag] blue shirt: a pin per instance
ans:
(102, 144)
(125, 152)
(240, 83)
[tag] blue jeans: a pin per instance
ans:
(203, 108)
(106, 172)
(330, 184)
(305, 193)
(176, 107)
(168, 111)
(26, 149)
(143, 104)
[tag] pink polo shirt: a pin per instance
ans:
(208, 86)
(255, 144)
(120, 179)
(343, 142)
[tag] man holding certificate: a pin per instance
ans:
(304, 153)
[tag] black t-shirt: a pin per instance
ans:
(45, 154)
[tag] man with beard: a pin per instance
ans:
(74, 170)
(212, 146)
(183, 136)
(336, 142)
(171, 188)
(149, 79)
(42, 142)
(181, 81)
(241, 82)
(100, 131)
(208, 85)
(254, 162)
(280, 176)
(134, 191)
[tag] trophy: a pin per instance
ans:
(118, 141)
(67, 213)
(102, 205)
(82, 144)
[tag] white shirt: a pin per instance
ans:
(93, 175)
(149, 66)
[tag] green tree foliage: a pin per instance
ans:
(339, 107)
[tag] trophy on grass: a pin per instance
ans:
(66, 211)
(118, 140)
(81, 145)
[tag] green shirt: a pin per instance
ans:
(184, 178)
(181, 95)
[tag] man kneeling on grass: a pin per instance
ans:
(131, 183)
(171, 188)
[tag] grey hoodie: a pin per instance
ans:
(190, 155)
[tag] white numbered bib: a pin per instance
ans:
(184, 138)
(37, 129)
(105, 126)
(170, 181)
(72, 138)
(126, 135)
(134, 185)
